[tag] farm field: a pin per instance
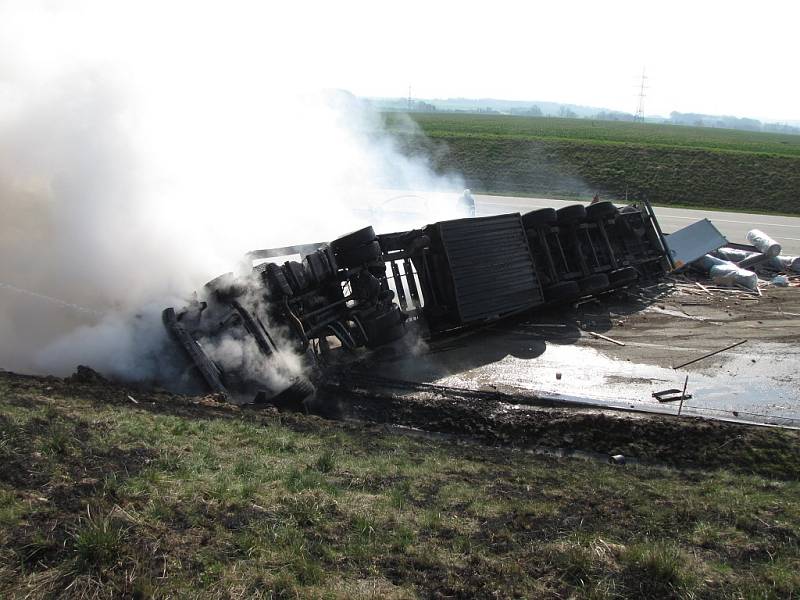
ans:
(576, 158)
(438, 125)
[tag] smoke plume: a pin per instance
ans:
(136, 166)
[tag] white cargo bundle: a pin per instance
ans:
(763, 243)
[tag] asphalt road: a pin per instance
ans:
(734, 226)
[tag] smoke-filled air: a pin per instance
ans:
(144, 151)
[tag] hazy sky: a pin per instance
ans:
(731, 58)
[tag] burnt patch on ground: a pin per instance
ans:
(653, 439)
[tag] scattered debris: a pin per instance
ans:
(780, 281)
(671, 395)
(704, 288)
(683, 395)
(694, 360)
(724, 272)
(606, 338)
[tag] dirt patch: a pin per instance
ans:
(650, 439)
(653, 439)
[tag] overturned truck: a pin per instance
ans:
(262, 336)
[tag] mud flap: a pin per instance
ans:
(196, 354)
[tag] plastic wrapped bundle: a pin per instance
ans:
(723, 272)
(785, 263)
(763, 242)
(733, 254)
(776, 263)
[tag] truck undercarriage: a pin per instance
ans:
(264, 335)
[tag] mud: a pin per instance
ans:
(570, 430)
(473, 419)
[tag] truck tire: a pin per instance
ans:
(317, 265)
(593, 284)
(623, 276)
(297, 276)
(276, 282)
(601, 210)
(354, 239)
(574, 213)
(384, 328)
(564, 290)
(536, 219)
(360, 255)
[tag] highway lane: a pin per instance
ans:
(734, 226)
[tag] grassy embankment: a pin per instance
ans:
(574, 158)
(101, 496)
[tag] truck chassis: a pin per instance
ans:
(264, 335)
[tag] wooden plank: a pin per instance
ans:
(606, 338)
(704, 288)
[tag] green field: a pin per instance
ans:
(666, 164)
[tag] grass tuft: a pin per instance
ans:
(326, 462)
(97, 542)
(658, 569)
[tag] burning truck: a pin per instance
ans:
(292, 320)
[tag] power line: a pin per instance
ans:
(639, 116)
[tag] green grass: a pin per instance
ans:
(574, 158)
(175, 500)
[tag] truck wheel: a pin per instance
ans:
(355, 239)
(623, 276)
(276, 282)
(317, 266)
(573, 213)
(593, 284)
(544, 217)
(565, 290)
(384, 328)
(297, 276)
(359, 255)
(601, 210)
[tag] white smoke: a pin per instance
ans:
(143, 150)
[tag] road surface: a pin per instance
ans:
(734, 226)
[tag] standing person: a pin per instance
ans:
(595, 199)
